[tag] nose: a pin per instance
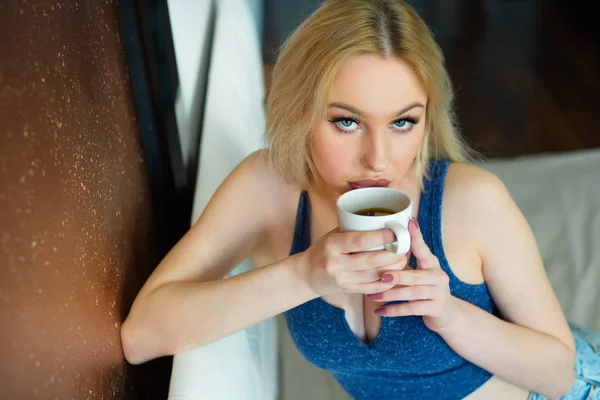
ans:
(375, 155)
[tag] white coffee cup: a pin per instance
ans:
(377, 197)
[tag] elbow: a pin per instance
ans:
(564, 379)
(567, 383)
(140, 339)
(141, 344)
(130, 347)
(138, 346)
(567, 378)
(563, 384)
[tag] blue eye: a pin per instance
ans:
(405, 124)
(345, 124)
(350, 125)
(402, 124)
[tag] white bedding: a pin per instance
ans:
(559, 195)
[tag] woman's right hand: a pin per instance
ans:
(338, 262)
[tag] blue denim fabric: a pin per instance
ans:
(587, 367)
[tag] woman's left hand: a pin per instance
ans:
(426, 289)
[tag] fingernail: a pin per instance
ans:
(381, 311)
(387, 278)
(416, 222)
(375, 296)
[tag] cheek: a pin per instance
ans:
(405, 154)
(330, 155)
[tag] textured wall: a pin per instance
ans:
(76, 234)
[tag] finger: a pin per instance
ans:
(418, 307)
(353, 242)
(369, 288)
(397, 266)
(421, 292)
(371, 259)
(367, 260)
(411, 277)
(425, 259)
(346, 278)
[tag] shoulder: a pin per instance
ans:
(256, 165)
(258, 170)
(480, 203)
(255, 190)
(473, 191)
(260, 179)
(473, 186)
(274, 200)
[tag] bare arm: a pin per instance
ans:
(531, 346)
(527, 358)
(185, 303)
(179, 316)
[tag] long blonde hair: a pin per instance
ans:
(308, 63)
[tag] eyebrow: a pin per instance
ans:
(360, 113)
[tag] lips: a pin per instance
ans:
(369, 183)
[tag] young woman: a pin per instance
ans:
(360, 97)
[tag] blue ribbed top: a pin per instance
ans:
(406, 360)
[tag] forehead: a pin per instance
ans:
(377, 86)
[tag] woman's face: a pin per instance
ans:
(374, 125)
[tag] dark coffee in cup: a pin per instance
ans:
(376, 208)
(375, 212)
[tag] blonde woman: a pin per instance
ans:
(360, 97)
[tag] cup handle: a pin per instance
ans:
(402, 244)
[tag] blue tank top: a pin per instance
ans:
(406, 360)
